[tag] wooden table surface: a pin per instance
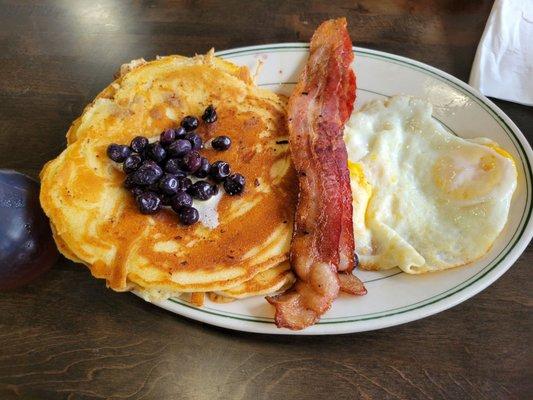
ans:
(67, 337)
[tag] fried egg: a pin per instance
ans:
(424, 199)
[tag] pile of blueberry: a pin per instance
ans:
(158, 174)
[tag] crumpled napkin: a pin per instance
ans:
(503, 66)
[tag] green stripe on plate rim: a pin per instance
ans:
(436, 298)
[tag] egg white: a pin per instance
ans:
(424, 199)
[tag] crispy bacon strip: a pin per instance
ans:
(323, 242)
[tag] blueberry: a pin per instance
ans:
(172, 166)
(234, 184)
(169, 184)
(128, 182)
(203, 171)
(219, 171)
(180, 200)
(179, 148)
(153, 187)
(184, 184)
(191, 162)
(196, 141)
(189, 123)
(210, 115)
(149, 172)
(167, 136)
(188, 215)
(132, 163)
(135, 191)
(165, 199)
(148, 203)
(180, 132)
(221, 143)
(118, 152)
(138, 144)
(214, 188)
(201, 190)
(156, 152)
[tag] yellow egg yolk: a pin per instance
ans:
(469, 176)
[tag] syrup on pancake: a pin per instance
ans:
(95, 220)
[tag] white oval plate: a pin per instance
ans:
(393, 297)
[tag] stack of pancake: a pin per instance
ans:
(95, 220)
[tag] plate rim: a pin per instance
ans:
(462, 293)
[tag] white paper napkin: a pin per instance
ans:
(503, 66)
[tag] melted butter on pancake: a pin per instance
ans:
(96, 221)
(208, 211)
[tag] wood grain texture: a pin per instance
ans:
(67, 337)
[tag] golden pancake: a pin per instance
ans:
(95, 220)
(267, 282)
